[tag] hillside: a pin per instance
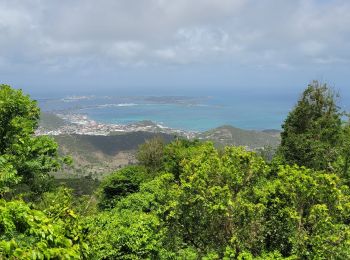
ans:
(100, 155)
(51, 121)
(229, 135)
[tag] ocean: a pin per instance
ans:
(179, 112)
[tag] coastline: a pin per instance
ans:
(82, 125)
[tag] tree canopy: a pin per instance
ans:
(312, 131)
(25, 158)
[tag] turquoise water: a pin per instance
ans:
(188, 113)
(245, 109)
(183, 113)
(197, 118)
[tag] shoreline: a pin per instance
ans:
(82, 125)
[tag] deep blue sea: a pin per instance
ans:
(202, 113)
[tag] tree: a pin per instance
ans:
(311, 133)
(176, 152)
(120, 184)
(8, 176)
(214, 209)
(150, 154)
(342, 165)
(133, 229)
(306, 214)
(28, 158)
(124, 235)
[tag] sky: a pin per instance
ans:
(173, 47)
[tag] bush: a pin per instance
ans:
(120, 184)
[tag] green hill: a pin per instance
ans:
(51, 121)
(109, 145)
(99, 155)
(229, 135)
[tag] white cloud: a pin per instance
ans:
(134, 32)
(126, 50)
(312, 48)
(166, 54)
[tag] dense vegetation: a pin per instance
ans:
(186, 199)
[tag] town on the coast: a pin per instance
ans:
(82, 125)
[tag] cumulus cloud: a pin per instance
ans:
(162, 32)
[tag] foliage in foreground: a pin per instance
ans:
(27, 233)
(24, 158)
(228, 205)
(186, 200)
